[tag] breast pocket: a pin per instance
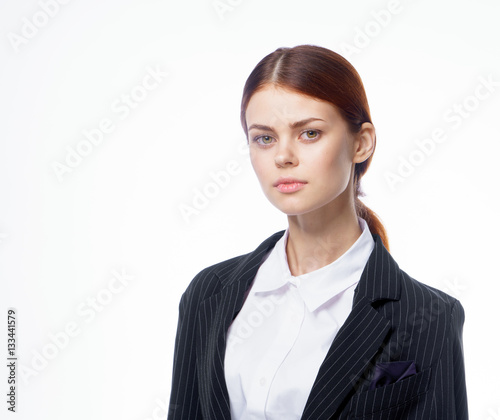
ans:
(394, 401)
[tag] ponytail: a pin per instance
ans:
(374, 223)
(362, 210)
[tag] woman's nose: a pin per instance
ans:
(285, 154)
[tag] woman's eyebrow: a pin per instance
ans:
(293, 125)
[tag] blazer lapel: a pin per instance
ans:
(214, 318)
(358, 340)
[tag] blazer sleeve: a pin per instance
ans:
(450, 395)
(459, 387)
(184, 398)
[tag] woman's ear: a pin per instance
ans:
(364, 143)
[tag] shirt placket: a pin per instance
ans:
(276, 353)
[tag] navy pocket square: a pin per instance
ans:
(390, 372)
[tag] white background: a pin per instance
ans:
(119, 209)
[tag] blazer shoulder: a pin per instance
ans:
(415, 288)
(208, 281)
(434, 305)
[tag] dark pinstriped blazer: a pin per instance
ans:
(394, 318)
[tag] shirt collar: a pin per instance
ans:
(321, 285)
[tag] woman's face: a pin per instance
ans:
(300, 148)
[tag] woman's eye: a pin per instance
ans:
(311, 134)
(264, 140)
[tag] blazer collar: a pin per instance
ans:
(246, 269)
(355, 345)
(380, 265)
(381, 268)
(380, 279)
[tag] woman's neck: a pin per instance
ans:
(317, 238)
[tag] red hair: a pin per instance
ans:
(323, 74)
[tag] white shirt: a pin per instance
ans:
(284, 330)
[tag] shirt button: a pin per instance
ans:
(262, 381)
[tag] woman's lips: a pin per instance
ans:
(289, 184)
(290, 187)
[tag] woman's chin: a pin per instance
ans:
(293, 210)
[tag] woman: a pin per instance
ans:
(318, 322)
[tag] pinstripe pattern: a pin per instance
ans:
(394, 317)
